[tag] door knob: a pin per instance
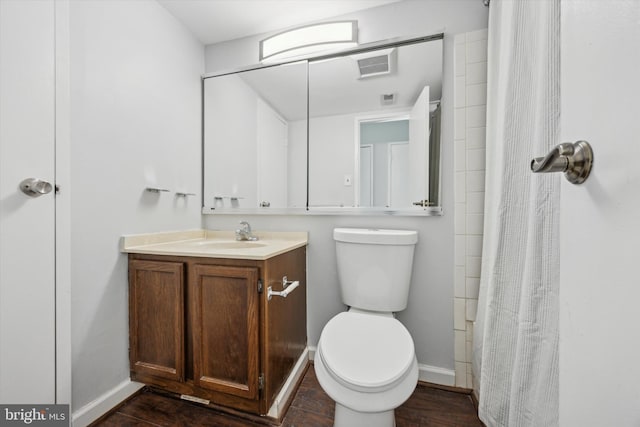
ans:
(34, 187)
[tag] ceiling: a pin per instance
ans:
(335, 86)
(214, 21)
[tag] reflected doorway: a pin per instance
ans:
(383, 161)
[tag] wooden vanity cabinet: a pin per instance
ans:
(204, 327)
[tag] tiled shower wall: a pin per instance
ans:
(470, 99)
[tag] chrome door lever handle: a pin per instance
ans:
(35, 187)
(574, 159)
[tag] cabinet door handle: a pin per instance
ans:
(288, 287)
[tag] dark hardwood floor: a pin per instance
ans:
(311, 407)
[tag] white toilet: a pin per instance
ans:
(365, 360)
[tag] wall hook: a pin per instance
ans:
(574, 159)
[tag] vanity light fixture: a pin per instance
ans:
(309, 39)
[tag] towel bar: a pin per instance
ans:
(156, 190)
(288, 287)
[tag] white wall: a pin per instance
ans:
(230, 119)
(297, 164)
(135, 121)
(331, 156)
(429, 316)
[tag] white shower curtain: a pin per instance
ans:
(515, 347)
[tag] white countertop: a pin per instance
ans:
(213, 244)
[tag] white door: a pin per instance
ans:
(272, 156)
(399, 182)
(418, 148)
(27, 269)
(366, 175)
(600, 219)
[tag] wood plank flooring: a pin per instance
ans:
(311, 407)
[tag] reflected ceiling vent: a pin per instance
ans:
(387, 99)
(376, 63)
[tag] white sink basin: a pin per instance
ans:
(234, 244)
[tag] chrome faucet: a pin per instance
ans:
(244, 232)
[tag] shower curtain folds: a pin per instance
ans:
(515, 349)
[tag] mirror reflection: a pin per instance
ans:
(374, 128)
(255, 138)
(366, 139)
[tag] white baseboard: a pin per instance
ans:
(427, 373)
(436, 375)
(312, 352)
(288, 387)
(103, 404)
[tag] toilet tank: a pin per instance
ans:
(374, 267)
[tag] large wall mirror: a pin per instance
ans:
(366, 139)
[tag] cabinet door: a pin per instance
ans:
(156, 318)
(224, 303)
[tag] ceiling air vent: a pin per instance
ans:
(375, 63)
(387, 99)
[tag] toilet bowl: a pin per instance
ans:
(365, 359)
(366, 363)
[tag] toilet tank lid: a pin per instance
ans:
(375, 236)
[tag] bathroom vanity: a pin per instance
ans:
(204, 321)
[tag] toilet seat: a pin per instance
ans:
(366, 352)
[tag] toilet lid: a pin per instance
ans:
(366, 351)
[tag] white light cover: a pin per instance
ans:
(309, 39)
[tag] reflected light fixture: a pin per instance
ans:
(309, 39)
